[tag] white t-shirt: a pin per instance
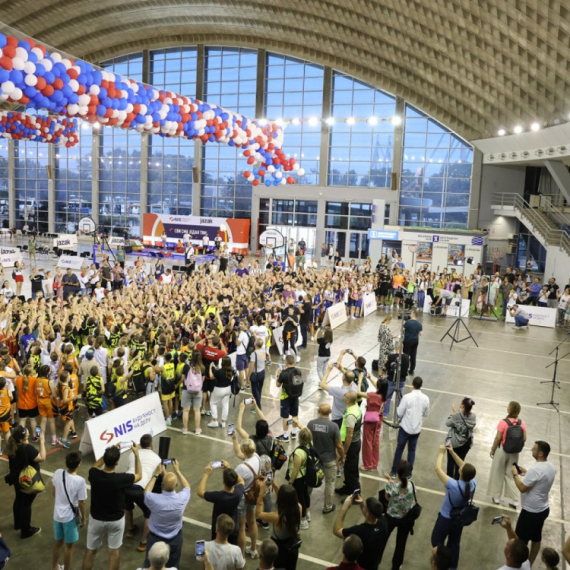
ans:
(76, 489)
(260, 332)
(99, 294)
(244, 340)
(539, 478)
(563, 301)
(205, 240)
(225, 556)
(525, 566)
(186, 238)
(149, 462)
(245, 472)
(166, 278)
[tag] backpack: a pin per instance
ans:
(466, 514)
(138, 379)
(235, 384)
(250, 348)
(193, 381)
(514, 441)
(293, 384)
(167, 386)
(278, 455)
(314, 472)
(30, 480)
(254, 491)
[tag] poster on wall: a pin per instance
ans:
(424, 251)
(455, 254)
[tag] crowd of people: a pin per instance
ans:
(91, 339)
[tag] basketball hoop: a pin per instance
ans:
(496, 254)
(414, 248)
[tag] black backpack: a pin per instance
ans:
(293, 382)
(167, 386)
(250, 348)
(514, 440)
(314, 472)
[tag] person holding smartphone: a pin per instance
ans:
(461, 425)
(222, 554)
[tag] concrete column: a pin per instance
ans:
(398, 151)
(198, 145)
(95, 176)
(325, 129)
(254, 219)
(11, 184)
(321, 230)
(260, 85)
(559, 172)
(475, 191)
(201, 56)
(144, 178)
(375, 249)
(51, 189)
(146, 66)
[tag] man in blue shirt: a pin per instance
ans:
(412, 331)
(166, 512)
(534, 291)
(241, 270)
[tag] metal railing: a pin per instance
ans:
(536, 218)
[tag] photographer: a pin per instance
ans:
(412, 331)
(521, 317)
(391, 368)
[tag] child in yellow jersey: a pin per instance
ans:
(5, 411)
(121, 381)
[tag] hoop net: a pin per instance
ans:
(413, 248)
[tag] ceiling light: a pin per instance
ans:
(535, 127)
(373, 121)
(313, 121)
(518, 130)
(330, 121)
(350, 121)
(502, 132)
(396, 121)
(295, 121)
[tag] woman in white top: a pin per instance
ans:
(19, 276)
(48, 285)
(259, 330)
(7, 291)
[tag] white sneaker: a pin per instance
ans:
(213, 424)
(308, 517)
(304, 525)
(298, 359)
(496, 500)
(198, 431)
(184, 431)
(223, 424)
(312, 339)
(293, 434)
(284, 356)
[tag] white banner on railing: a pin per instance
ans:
(538, 316)
(116, 241)
(65, 241)
(9, 256)
(278, 338)
(127, 423)
(72, 262)
(335, 315)
(369, 304)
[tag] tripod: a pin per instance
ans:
(454, 336)
(554, 382)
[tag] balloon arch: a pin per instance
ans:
(36, 78)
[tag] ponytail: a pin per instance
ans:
(467, 474)
(404, 470)
(28, 370)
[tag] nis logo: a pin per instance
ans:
(174, 219)
(117, 431)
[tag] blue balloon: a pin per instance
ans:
(4, 75)
(155, 117)
(49, 77)
(3, 41)
(268, 182)
(30, 91)
(140, 118)
(106, 101)
(97, 77)
(17, 77)
(32, 57)
(276, 182)
(102, 93)
(101, 110)
(24, 44)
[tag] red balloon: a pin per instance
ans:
(11, 41)
(58, 83)
(256, 182)
(251, 160)
(292, 161)
(247, 173)
(6, 63)
(48, 90)
(9, 51)
(246, 152)
(290, 180)
(41, 84)
(261, 172)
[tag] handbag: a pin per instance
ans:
(469, 433)
(30, 479)
(466, 514)
(76, 512)
(415, 512)
(372, 417)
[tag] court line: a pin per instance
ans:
(482, 503)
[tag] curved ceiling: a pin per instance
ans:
(475, 65)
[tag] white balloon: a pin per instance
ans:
(29, 67)
(143, 110)
(301, 171)
(47, 64)
(74, 84)
(296, 166)
(271, 168)
(83, 109)
(94, 90)
(8, 87)
(279, 174)
(73, 109)
(22, 53)
(56, 57)
(83, 99)
(129, 108)
(18, 63)
(16, 94)
(30, 80)
(39, 53)
(283, 181)
(67, 63)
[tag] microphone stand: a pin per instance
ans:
(554, 381)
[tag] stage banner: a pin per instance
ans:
(115, 241)
(369, 304)
(9, 256)
(234, 232)
(127, 423)
(72, 261)
(65, 241)
(335, 315)
(278, 338)
(538, 316)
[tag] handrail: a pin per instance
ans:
(553, 237)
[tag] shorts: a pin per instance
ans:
(45, 408)
(33, 413)
(208, 385)
(67, 531)
(529, 525)
(5, 427)
(96, 530)
(289, 407)
(135, 496)
(243, 508)
(19, 279)
(166, 397)
(242, 362)
(191, 400)
(66, 413)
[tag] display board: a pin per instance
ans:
(453, 309)
(72, 262)
(127, 423)
(335, 315)
(538, 317)
(369, 304)
(65, 242)
(9, 256)
(234, 232)
(278, 338)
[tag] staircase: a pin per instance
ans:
(538, 221)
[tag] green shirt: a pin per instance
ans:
(352, 418)
(120, 255)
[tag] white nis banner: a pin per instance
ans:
(369, 304)
(336, 315)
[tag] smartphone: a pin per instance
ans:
(335, 364)
(448, 442)
(497, 520)
(248, 401)
(38, 431)
(126, 444)
(290, 422)
(167, 461)
(268, 479)
(217, 464)
(200, 548)
(518, 468)
(280, 366)
(347, 351)
(231, 429)
(356, 493)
